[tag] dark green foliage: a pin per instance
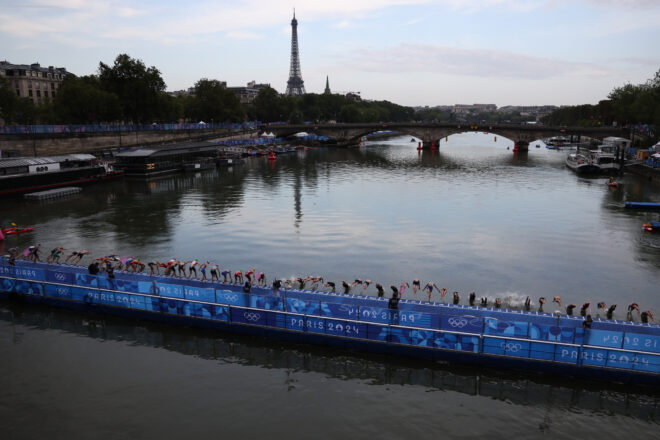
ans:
(214, 102)
(80, 100)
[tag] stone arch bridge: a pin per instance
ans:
(521, 134)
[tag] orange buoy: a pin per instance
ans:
(271, 156)
(419, 146)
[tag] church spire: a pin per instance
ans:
(327, 86)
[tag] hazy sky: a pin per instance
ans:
(412, 52)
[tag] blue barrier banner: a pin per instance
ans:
(25, 287)
(23, 272)
(266, 302)
(423, 338)
(466, 324)
(120, 284)
(450, 341)
(148, 288)
(276, 320)
(334, 310)
(81, 294)
(85, 280)
(57, 291)
(199, 294)
(375, 314)
(232, 298)
(594, 356)
(378, 332)
(294, 322)
(549, 332)
(621, 359)
(604, 338)
(516, 348)
(152, 304)
(493, 346)
(315, 325)
(355, 330)
(648, 363)
(116, 299)
(566, 353)
(418, 319)
(59, 277)
(173, 306)
(636, 341)
(295, 305)
(170, 290)
(400, 336)
(221, 313)
(246, 316)
(538, 350)
(494, 326)
(203, 310)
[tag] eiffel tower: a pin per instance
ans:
(295, 86)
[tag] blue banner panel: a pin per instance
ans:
(147, 287)
(221, 313)
(295, 305)
(494, 346)
(334, 310)
(246, 316)
(152, 304)
(417, 319)
(621, 359)
(538, 350)
(566, 353)
(516, 348)
(25, 287)
(594, 356)
(116, 299)
(375, 314)
(24, 272)
(466, 324)
(400, 335)
(424, 338)
(172, 306)
(294, 322)
(315, 325)
(170, 290)
(57, 291)
(59, 277)
(84, 280)
(450, 341)
(203, 310)
(548, 332)
(648, 363)
(199, 294)
(604, 338)
(356, 330)
(636, 341)
(119, 284)
(378, 332)
(266, 302)
(517, 329)
(579, 335)
(276, 319)
(232, 298)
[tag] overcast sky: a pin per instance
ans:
(412, 52)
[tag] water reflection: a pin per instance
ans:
(545, 392)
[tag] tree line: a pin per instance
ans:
(130, 92)
(626, 105)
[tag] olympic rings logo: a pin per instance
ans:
(231, 297)
(60, 276)
(511, 346)
(457, 322)
(252, 317)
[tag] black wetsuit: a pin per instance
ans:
(457, 298)
(93, 268)
(347, 288)
(472, 298)
(393, 303)
(332, 285)
(381, 292)
(569, 309)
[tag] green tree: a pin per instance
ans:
(8, 102)
(80, 100)
(137, 87)
(214, 102)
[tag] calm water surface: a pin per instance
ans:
(471, 217)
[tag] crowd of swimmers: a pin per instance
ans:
(192, 269)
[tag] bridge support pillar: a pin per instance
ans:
(521, 146)
(428, 144)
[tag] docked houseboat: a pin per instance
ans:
(156, 161)
(25, 174)
(582, 163)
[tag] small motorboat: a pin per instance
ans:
(651, 227)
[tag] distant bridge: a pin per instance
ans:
(521, 134)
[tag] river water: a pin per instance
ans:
(470, 217)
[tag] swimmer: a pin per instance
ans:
(153, 265)
(215, 273)
(583, 309)
(380, 290)
(76, 256)
(472, 298)
(34, 253)
(601, 305)
(137, 266)
(249, 274)
(224, 274)
(393, 303)
(631, 307)
(610, 311)
(415, 285)
(331, 285)
(541, 302)
(528, 304)
(557, 299)
(367, 283)
(315, 282)
(402, 289)
(261, 279)
(55, 255)
(587, 322)
(646, 315)
(484, 301)
(202, 269)
(443, 292)
(346, 286)
(457, 298)
(356, 282)
(569, 309)
(170, 268)
(395, 291)
(238, 277)
(498, 303)
(429, 289)
(181, 268)
(193, 268)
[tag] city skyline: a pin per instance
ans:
(411, 52)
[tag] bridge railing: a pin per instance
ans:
(121, 128)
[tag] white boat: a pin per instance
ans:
(605, 158)
(581, 163)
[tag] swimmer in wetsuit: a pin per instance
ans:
(569, 309)
(557, 299)
(443, 292)
(380, 290)
(457, 298)
(55, 255)
(631, 307)
(429, 289)
(395, 291)
(646, 315)
(331, 285)
(366, 283)
(498, 303)
(193, 268)
(225, 273)
(76, 256)
(238, 277)
(346, 286)
(315, 282)
(484, 301)
(528, 304)
(541, 302)
(202, 269)
(153, 267)
(261, 279)
(472, 298)
(357, 281)
(583, 309)
(416, 285)
(215, 273)
(610, 311)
